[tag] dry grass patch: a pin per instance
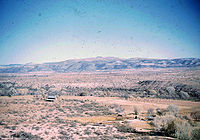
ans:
(140, 125)
(93, 119)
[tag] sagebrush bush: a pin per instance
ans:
(159, 111)
(195, 135)
(150, 111)
(125, 96)
(165, 124)
(24, 135)
(173, 110)
(118, 109)
(83, 94)
(195, 115)
(125, 128)
(136, 110)
(183, 130)
(170, 125)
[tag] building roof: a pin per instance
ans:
(51, 97)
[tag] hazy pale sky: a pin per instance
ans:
(55, 30)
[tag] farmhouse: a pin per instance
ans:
(51, 98)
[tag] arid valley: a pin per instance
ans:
(99, 70)
(146, 103)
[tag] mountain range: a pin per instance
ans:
(99, 64)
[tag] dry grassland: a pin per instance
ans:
(77, 117)
(95, 105)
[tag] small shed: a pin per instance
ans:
(51, 98)
(150, 118)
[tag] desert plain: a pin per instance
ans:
(99, 105)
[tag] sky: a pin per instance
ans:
(41, 31)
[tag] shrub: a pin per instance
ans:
(150, 111)
(125, 96)
(119, 109)
(195, 115)
(170, 125)
(83, 94)
(87, 132)
(195, 135)
(159, 111)
(136, 110)
(125, 128)
(173, 110)
(183, 130)
(165, 124)
(25, 135)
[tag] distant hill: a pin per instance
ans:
(10, 65)
(100, 64)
